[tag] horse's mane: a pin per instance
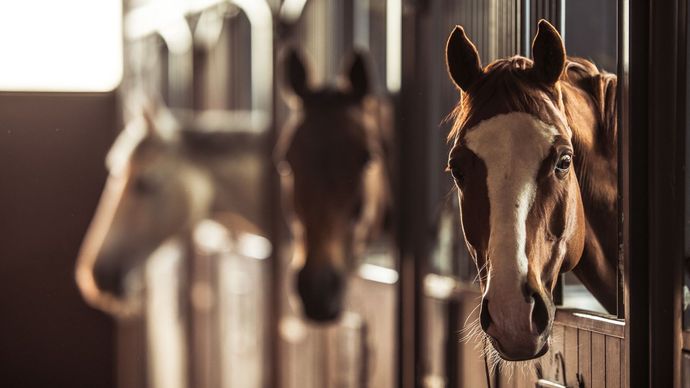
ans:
(507, 86)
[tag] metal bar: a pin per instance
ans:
(654, 207)
(633, 140)
(667, 133)
(526, 30)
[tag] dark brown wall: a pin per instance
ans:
(52, 148)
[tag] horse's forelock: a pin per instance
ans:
(507, 86)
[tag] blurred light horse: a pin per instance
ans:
(163, 181)
(333, 157)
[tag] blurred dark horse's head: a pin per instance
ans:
(334, 179)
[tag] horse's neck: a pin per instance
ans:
(237, 183)
(596, 169)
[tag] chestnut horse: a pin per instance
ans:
(164, 180)
(332, 157)
(534, 158)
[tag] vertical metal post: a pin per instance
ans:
(653, 190)
(525, 17)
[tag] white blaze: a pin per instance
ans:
(512, 147)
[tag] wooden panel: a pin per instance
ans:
(551, 365)
(613, 364)
(624, 366)
(598, 360)
(584, 363)
(380, 320)
(471, 360)
(570, 347)
(522, 378)
(594, 322)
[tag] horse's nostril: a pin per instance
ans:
(484, 317)
(321, 292)
(109, 278)
(540, 315)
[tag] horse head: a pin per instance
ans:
(333, 177)
(154, 192)
(513, 158)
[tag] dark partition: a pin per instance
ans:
(52, 148)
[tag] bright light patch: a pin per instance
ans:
(378, 274)
(66, 45)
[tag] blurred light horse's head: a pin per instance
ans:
(163, 181)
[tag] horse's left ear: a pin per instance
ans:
(548, 53)
(358, 76)
(296, 75)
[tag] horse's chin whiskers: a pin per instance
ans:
(482, 269)
(472, 332)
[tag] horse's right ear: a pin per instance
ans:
(295, 73)
(149, 112)
(548, 52)
(462, 59)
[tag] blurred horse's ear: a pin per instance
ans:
(548, 53)
(462, 59)
(296, 81)
(150, 112)
(358, 75)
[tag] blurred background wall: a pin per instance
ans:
(52, 147)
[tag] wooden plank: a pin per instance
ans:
(471, 360)
(598, 323)
(613, 362)
(570, 352)
(551, 367)
(624, 366)
(522, 378)
(584, 363)
(598, 360)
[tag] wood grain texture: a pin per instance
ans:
(598, 360)
(570, 352)
(584, 363)
(613, 365)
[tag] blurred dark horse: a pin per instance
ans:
(534, 158)
(332, 157)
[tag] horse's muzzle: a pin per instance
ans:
(321, 291)
(520, 330)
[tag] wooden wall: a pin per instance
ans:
(586, 351)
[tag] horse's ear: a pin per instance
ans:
(548, 53)
(462, 59)
(149, 113)
(358, 75)
(296, 73)
(159, 122)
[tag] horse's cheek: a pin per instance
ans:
(576, 243)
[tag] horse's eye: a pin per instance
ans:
(563, 164)
(145, 185)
